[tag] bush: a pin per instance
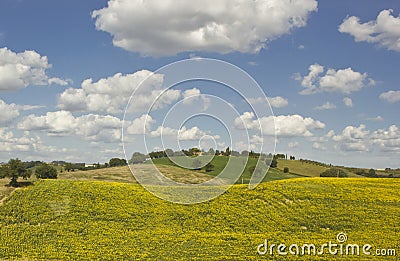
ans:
(45, 171)
(285, 170)
(333, 172)
(137, 158)
(273, 163)
(196, 164)
(209, 167)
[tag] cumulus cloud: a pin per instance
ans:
(18, 70)
(183, 134)
(387, 139)
(384, 31)
(26, 143)
(326, 106)
(62, 123)
(174, 26)
(344, 81)
(141, 125)
(276, 102)
(348, 101)
(390, 96)
(282, 126)
(8, 112)
(192, 95)
(318, 146)
(111, 94)
(353, 138)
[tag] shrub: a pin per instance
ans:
(333, 172)
(196, 164)
(285, 170)
(209, 167)
(45, 171)
(273, 163)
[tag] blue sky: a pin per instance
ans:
(330, 69)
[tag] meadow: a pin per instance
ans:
(105, 220)
(220, 162)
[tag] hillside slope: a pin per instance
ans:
(77, 220)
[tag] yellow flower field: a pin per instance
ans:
(97, 220)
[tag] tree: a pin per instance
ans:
(273, 163)
(14, 169)
(46, 171)
(372, 173)
(285, 170)
(227, 152)
(211, 152)
(137, 158)
(235, 153)
(254, 170)
(245, 153)
(114, 162)
(169, 153)
(209, 167)
(280, 156)
(196, 164)
(334, 172)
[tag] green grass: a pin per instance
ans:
(306, 169)
(97, 220)
(220, 162)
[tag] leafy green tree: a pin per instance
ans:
(169, 153)
(334, 172)
(227, 152)
(196, 164)
(254, 170)
(114, 162)
(46, 171)
(372, 173)
(272, 163)
(209, 167)
(14, 169)
(137, 158)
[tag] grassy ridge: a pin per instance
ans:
(77, 220)
(220, 162)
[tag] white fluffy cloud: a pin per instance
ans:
(63, 123)
(348, 101)
(8, 142)
(344, 81)
(33, 145)
(282, 126)
(276, 102)
(18, 70)
(385, 30)
(8, 112)
(111, 94)
(387, 139)
(141, 125)
(183, 134)
(192, 95)
(172, 26)
(326, 106)
(353, 138)
(390, 96)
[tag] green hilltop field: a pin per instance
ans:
(99, 220)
